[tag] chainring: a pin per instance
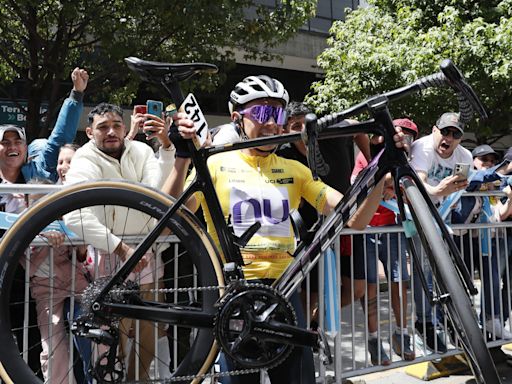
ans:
(240, 325)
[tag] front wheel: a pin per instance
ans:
(457, 306)
(122, 350)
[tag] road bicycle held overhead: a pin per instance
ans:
(209, 305)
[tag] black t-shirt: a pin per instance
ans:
(338, 154)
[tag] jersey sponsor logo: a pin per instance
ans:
(288, 180)
(279, 170)
(227, 169)
(270, 206)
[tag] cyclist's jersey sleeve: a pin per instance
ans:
(264, 189)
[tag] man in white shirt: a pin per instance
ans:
(110, 155)
(434, 157)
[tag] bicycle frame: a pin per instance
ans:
(391, 159)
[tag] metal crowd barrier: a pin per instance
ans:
(347, 327)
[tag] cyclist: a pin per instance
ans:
(255, 184)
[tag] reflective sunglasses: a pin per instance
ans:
(263, 113)
(455, 132)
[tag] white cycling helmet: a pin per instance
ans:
(257, 87)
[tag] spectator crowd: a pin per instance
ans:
(259, 106)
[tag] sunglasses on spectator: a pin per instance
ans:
(263, 113)
(455, 133)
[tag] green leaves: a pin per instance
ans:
(41, 41)
(396, 41)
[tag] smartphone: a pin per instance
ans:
(461, 170)
(155, 107)
(140, 109)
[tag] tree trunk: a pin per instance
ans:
(33, 115)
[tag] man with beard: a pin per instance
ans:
(110, 155)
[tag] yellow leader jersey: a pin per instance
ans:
(264, 189)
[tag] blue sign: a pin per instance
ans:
(15, 113)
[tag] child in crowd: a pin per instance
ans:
(64, 160)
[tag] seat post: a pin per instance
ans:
(173, 87)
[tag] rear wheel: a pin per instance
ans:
(193, 276)
(458, 305)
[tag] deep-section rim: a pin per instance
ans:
(88, 191)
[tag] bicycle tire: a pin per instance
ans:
(458, 306)
(199, 355)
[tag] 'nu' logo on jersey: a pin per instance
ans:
(270, 206)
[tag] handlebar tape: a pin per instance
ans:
(439, 80)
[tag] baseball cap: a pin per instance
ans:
(483, 150)
(12, 128)
(450, 119)
(407, 124)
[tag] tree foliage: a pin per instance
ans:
(393, 42)
(42, 40)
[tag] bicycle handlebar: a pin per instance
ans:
(449, 75)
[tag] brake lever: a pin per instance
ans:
(457, 81)
(316, 161)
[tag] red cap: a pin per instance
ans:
(406, 124)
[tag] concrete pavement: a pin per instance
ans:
(399, 376)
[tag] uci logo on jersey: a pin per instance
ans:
(288, 180)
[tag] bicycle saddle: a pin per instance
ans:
(156, 72)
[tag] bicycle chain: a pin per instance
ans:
(167, 290)
(189, 378)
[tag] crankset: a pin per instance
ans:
(249, 326)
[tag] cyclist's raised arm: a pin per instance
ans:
(365, 212)
(175, 183)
